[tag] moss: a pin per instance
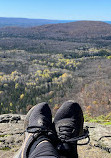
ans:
(102, 119)
(4, 135)
(5, 148)
(107, 123)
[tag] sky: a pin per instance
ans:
(57, 9)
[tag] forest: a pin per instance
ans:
(27, 79)
(55, 63)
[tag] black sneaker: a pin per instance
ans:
(69, 125)
(38, 127)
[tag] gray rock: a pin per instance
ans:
(10, 140)
(10, 133)
(6, 118)
(97, 131)
(15, 119)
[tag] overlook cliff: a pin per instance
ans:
(11, 138)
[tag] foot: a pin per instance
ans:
(38, 127)
(69, 125)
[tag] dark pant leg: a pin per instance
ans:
(44, 150)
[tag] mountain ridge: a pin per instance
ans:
(27, 22)
(72, 28)
(57, 37)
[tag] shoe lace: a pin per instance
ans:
(39, 129)
(42, 130)
(36, 129)
(65, 136)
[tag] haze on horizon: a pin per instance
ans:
(57, 10)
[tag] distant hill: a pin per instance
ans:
(71, 30)
(109, 22)
(25, 22)
(57, 37)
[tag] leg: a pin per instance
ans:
(40, 133)
(44, 150)
(69, 125)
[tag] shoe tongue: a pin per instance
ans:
(66, 123)
(66, 129)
